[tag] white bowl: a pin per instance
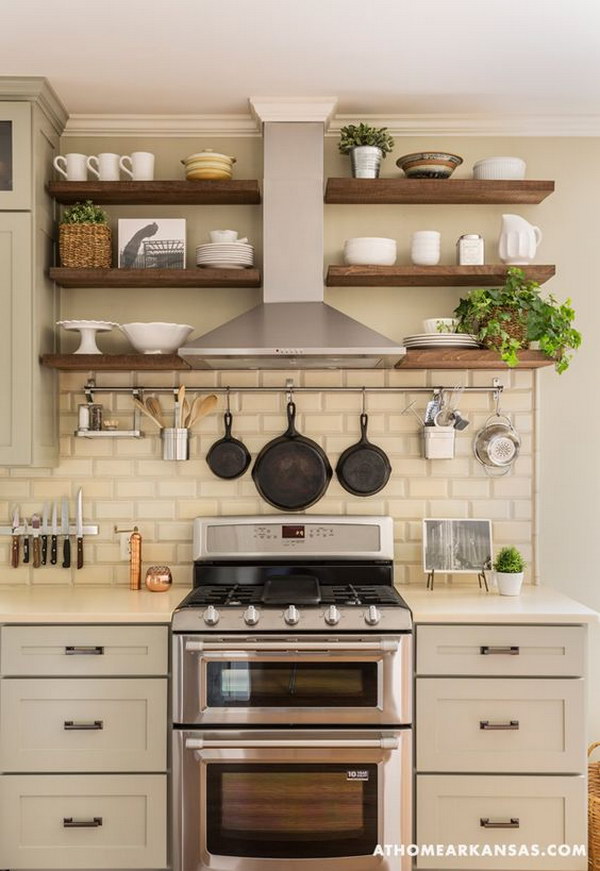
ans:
(156, 338)
(430, 325)
(370, 240)
(510, 168)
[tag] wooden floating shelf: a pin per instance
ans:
(114, 362)
(429, 276)
(193, 277)
(468, 358)
(434, 191)
(207, 192)
(430, 358)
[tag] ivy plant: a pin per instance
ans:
(509, 560)
(355, 135)
(84, 213)
(509, 317)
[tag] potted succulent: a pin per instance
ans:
(508, 567)
(84, 237)
(508, 318)
(367, 146)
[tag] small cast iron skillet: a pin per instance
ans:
(229, 457)
(364, 468)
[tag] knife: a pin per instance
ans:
(14, 552)
(35, 522)
(79, 528)
(45, 534)
(66, 563)
(54, 539)
(26, 542)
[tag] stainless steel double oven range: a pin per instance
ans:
(292, 708)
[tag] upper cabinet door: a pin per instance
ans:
(15, 156)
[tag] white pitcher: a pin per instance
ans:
(518, 240)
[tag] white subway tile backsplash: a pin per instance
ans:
(125, 481)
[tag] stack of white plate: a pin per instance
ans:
(225, 255)
(441, 340)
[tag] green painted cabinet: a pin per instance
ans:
(31, 120)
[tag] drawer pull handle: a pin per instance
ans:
(487, 823)
(92, 726)
(81, 650)
(511, 726)
(71, 823)
(488, 650)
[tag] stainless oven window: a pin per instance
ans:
(290, 810)
(290, 684)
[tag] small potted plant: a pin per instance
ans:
(84, 237)
(367, 146)
(508, 318)
(509, 566)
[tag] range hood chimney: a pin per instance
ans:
(293, 327)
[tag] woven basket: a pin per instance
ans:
(86, 246)
(515, 326)
(593, 811)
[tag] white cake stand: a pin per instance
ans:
(88, 330)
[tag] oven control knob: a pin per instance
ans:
(332, 615)
(251, 616)
(291, 615)
(372, 615)
(211, 616)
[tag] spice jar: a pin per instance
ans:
(96, 413)
(470, 250)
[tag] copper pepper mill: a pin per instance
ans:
(135, 557)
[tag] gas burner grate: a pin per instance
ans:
(223, 595)
(360, 594)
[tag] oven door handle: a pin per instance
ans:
(385, 742)
(385, 645)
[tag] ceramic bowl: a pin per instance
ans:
(440, 325)
(429, 164)
(511, 168)
(370, 251)
(208, 164)
(156, 338)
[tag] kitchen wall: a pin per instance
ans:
(125, 481)
(566, 423)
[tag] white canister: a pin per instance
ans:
(470, 250)
(438, 442)
(425, 247)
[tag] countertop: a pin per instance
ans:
(457, 604)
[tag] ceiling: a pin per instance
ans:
(377, 56)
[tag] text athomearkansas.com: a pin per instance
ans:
(480, 850)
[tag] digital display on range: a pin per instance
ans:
(290, 531)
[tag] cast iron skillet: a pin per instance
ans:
(363, 469)
(229, 457)
(292, 472)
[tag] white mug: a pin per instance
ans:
(223, 235)
(425, 247)
(141, 165)
(73, 166)
(105, 166)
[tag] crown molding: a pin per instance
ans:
(38, 90)
(293, 109)
(245, 125)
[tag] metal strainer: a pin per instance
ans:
(497, 444)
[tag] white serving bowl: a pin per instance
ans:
(156, 338)
(430, 325)
(509, 168)
(370, 251)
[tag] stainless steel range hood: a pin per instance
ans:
(293, 327)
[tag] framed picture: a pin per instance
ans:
(151, 243)
(457, 546)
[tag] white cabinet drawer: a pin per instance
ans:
(68, 651)
(499, 725)
(83, 725)
(503, 651)
(123, 816)
(544, 811)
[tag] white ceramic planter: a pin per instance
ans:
(509, 583)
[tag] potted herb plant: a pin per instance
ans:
(508, 318)
(508, 566)
(367, 146)
(84, 237)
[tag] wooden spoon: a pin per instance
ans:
(200, 408)
(148, 414)
(178, 407)
(154, 407)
